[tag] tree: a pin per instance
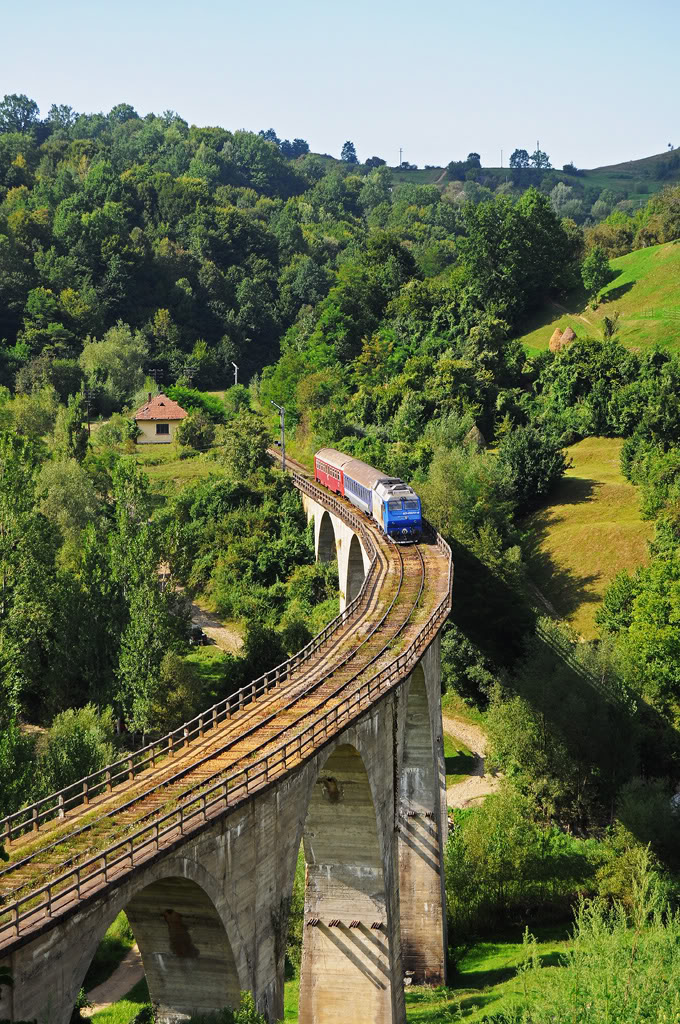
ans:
(78, 743)
(270, 136)
(540, 160)
(62, 117)
(70, 436)
(595, 270)
(67, 496)
(196, 431)
(474, 160)
(610, 325)
(243, 443)
(349, 153)
(534, 462)
(115, 363)
(17, 113)
(375, 161)
(519, 159)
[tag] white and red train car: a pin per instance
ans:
(388, 500)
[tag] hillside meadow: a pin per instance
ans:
(589, 531)
(644, 292)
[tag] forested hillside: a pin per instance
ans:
(387, 317)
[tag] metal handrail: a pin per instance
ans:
(243, 782)
(31, 817)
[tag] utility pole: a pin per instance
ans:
(282, 421)
(156, 376)
(235, 374)
(501, 159)
(400, 152)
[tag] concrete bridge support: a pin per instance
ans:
(210, 913)
(422, 823)
(335, 539)
(350, 961)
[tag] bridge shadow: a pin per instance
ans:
(566, 588)
(609, 734)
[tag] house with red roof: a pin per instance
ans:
(158, 420)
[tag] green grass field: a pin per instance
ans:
(117, 941)
(590, 530)
(167, 472)
(125, 1010)
(645, 292)
(458, 759)
(485, 981)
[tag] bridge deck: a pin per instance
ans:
(257, 740)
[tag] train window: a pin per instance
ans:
(394, 506)
(411, 506)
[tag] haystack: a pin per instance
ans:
(567, 336)
(475, 438)
(555, 340)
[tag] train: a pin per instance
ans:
(393, 505)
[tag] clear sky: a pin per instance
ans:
(595, 80)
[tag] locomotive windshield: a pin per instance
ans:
(411, 506)
(394, 506)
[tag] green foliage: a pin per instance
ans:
(242, 444)
(562, 728)
(595, 270)
(246, 1013)
(468, 497)
(499, 863)
(622, 964)
(196, 431)
(534, 462)
(17, 766)
(78, 743)
(195, 401)
(113, 366)
(118, 940)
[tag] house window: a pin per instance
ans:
(162, 428)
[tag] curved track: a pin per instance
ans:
(51, 871)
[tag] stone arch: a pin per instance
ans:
(326, 545)
(355, 569)
(183, 941)
(345, 972)
(420, 847)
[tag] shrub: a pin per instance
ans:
(534, 462)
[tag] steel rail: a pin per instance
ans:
(241, 784)
(216, 752)
(54, 805)
(251, 779)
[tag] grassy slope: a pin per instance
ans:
(117, 941)
(125, 1010)
(590, 531)
(484, 983)
(458, 759)
(646, 281)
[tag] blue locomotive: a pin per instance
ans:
(388, 500)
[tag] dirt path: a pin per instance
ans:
(478, 785)
(563, 309)
(224, 637)
(129, 971)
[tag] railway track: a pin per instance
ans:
(279, 718)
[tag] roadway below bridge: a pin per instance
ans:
(71, 847)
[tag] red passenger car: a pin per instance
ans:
(328, 466)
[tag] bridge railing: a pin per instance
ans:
(125, 770)
(228, 791)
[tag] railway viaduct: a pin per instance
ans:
(197, 835)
